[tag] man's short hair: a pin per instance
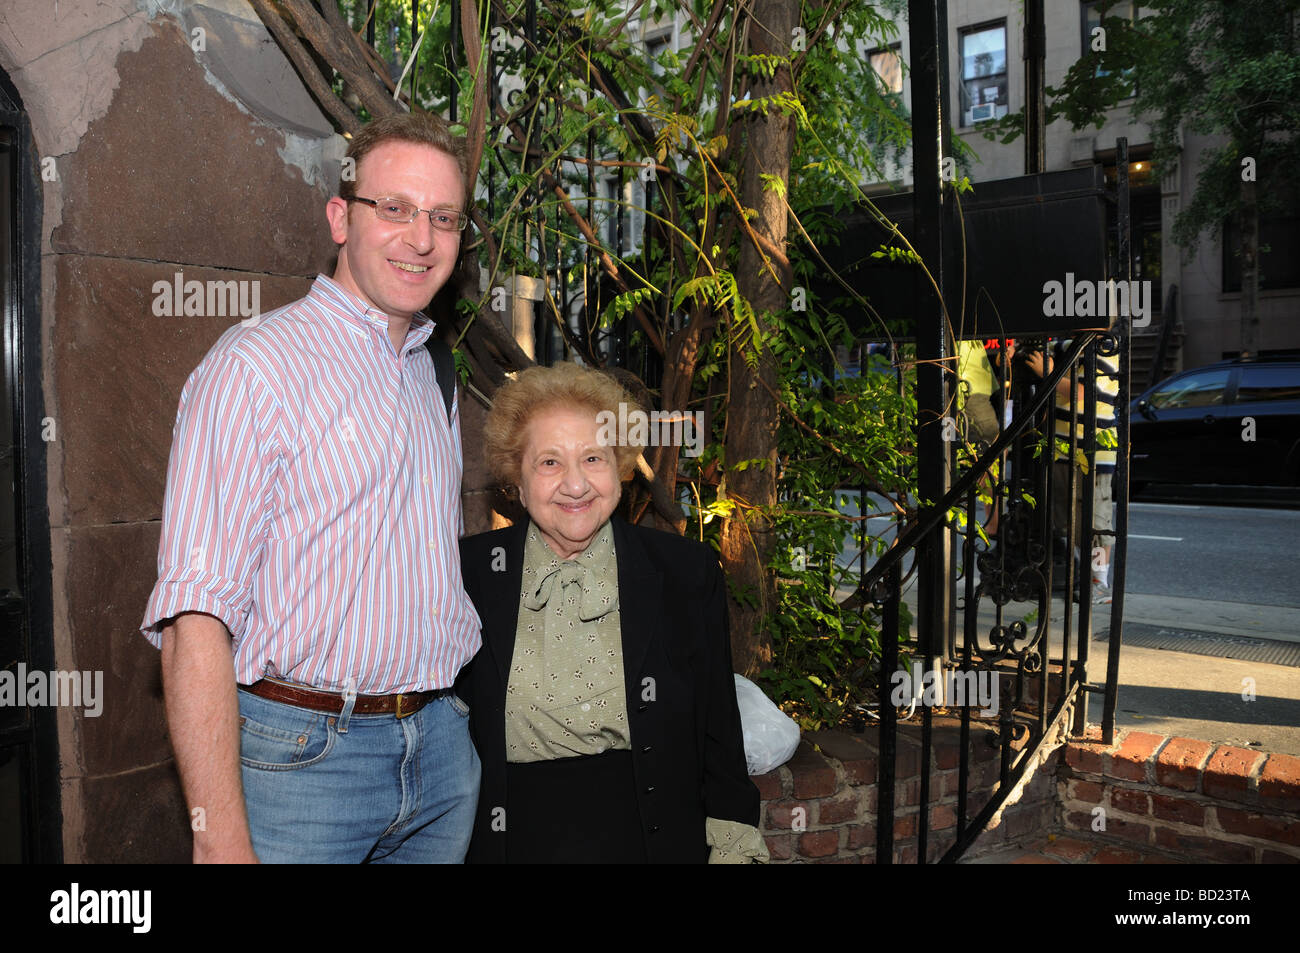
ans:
(422, 129)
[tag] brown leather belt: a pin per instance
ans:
(401, 704)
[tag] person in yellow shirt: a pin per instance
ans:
(979, 420)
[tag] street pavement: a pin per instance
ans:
(1226, 570)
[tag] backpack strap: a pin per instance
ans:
(444, 369)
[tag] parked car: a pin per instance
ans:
(1234, 422)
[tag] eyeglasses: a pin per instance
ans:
(403, 213)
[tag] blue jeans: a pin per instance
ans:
(354, 788)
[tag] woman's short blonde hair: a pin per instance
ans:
(546, 388)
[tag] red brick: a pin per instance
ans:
(1079, 820)
(1229, 772)
(779, 846)
(907, 793)
(983, 742)
(1280, 781)
(1091, 732)
(1179, 765)
(905, 826)
(1070, 848)
(1025, 820)
(994, 833)
(1085, 757)
(1079, 790)
(769, 785)
(905, 854)
(1204, 848)
(780, 815)
(1129, 761)
(942, 817)
(947, 754)
(938, 845)
(838, 811)
(1117, 855)
(1177, 809)
(862, 771)
(813, 775)
(1281, 830)
(988, 776)
(1277, 857)
(945, 783)
(978, 786)
(1130, 801)
(1128, 830)
(907, 758)
(869, 799)
(819, 843)
(861, 835)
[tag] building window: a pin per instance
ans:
(983, 73)
(1093, 39)
(888, 65)
(1279, 238)
(625, 208)
(655, 47)
(1279, 266)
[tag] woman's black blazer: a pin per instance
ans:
(687, 750)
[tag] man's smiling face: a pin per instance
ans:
(394, 268)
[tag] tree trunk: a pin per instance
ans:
(763, 279)
(1249, 270)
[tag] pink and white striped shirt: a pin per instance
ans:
(313, 503)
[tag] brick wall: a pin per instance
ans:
(1203, 801)
(821, 806)
(1193, 799)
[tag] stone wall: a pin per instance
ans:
(173, 151)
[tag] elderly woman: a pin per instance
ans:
(602, 703)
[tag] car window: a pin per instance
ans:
(1267, 383)
(1195, 390)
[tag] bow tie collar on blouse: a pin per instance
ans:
(594, 572)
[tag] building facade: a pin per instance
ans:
(987, 80)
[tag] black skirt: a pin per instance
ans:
(579, 810)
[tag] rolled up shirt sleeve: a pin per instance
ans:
(221, 483)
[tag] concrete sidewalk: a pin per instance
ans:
(1278, 623)
(1179, 693)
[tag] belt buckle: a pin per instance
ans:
(403, 712)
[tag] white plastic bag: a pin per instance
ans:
(770, 734)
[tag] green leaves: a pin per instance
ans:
(896, 254)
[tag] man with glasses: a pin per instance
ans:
(309, 605)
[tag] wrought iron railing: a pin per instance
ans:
(1022, 565)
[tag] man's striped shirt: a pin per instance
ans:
(313, 503)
